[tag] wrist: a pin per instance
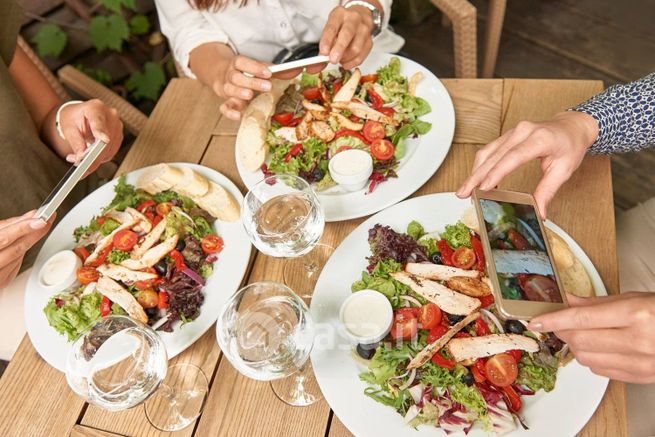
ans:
(584, 126)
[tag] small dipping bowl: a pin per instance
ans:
(60, 270)
(351, 169)
(366, 316)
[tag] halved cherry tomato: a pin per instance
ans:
(440, 361)
(477, 374)
(516, 354)
(312, 93)
(212, 244)
(342, 148)
(437, 332)
(164, 208)
(487, 300)
(354, 118)
(350, 133)
(404, 326)
(82, 253)
(87, 275)
(178, 259)
(102, 257)
(479, 252)
(462, 334)
(369, 78)
(518, 241)
(373, 130)
(387, 111)
(156, 220)
(101, 220)
(539, 288)
(376, 100)
(295, 122)
(283, 118)
(163, 300)
(512, 398)
(337, 86)
(446, 252)
(125, 240)
(501, 370)
(147, 298)
(463, 258)
(410, 311)
(430, 316)
(145, 205)
(105, 306)
(481, 328)
(293, 151)
(382, 149)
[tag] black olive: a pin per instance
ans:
(514, 326)
(468, 379)
(436, 258)
(452, 318)
(554, 344)
(180, 245)
(366, 351)
(161, 267)
(151, 312)
(318, 174)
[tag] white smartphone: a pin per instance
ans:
(300, 63)
(518, 256)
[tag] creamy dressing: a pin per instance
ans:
(351, 162)
(60, 269)
(367, 314)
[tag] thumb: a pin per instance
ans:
(77, 142)
(552, 180)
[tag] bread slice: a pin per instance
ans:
(158, 178)
(251, 141)
(219, 203)
(192, 184)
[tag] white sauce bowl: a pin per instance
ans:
(351, 169)
(60, 271)
(366, 316)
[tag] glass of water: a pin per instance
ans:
(266, 332)
(283, 218)
(120, 363)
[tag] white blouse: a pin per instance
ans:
(259, 30)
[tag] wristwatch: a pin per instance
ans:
(375, 14)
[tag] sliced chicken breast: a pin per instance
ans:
(472, 348)
(469, 286)
(448, 300)
(105, 242)
(123, 274)
(149, 240)
(152, 256)
(119, 295)
(348, 89)
(438, 272)
(143, 226)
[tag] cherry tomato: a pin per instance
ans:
(512, 399)
(516, 354)
(404, 326)
(387, 111)
(463, 258)
(439, 360)
(164, 208)
(462, 334)
(337, 86)
(382, 149)
(178, 259)
(518, 241)
(430, 316)
(479, 252)
(487, 300)
(283, 118)
(145, 205)
(501, 370)
(293, 152)
(102, 257)
(477, 374)
(87, 275)
(481, 328)
(376, 100)
(446, 252)
(105, 306)
(125, 240)
(212, 244)
(312, 93)
(295, 122)
(436, 333)
(147, 298)
(162, 304)
(82, 253)
(539, 288)
(101, 220)
(155, 221)
(354, 118)
(369, 78)
(373, 130)
(410, 311)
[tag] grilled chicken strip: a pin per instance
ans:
(348, 89)
(287, 133)
(117, 294)
(472, 348)
(143, 226)
(149, 240)
(321, 130)
(448, 300)
(362, 110)
(152, 256)
(469, 286)
(123, 274)
(342, 121)
(106, 242)
(438, 272)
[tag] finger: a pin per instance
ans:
(330, 31)
(12, 220)
(256, 68)
(232, 108)
(13, 232)
(622, 375)
(288, 74)
(358, 51)
(316, 68)
(234, 91)
(21, 245)
(99, 124)
(596, 340)
(346, 34)
(550, 182)
(576, 301)
(250, 83)
(76, 139)
(8, 273)
(513, 159)
(636, 365)
(605, 315)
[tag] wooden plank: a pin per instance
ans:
(176, 135)
(338, 429)
(35, 398)
(225, 126)
(220, 156)
(85, 431)
(477, 108)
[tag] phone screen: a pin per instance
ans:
(518, 251)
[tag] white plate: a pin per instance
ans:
(228, 273)
(423, 157)
(547, 414)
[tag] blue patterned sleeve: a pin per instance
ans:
(625, 115)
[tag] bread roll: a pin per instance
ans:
(192, 184)
(158, 178)
(219, 203)
(251, 141)
(571, 272)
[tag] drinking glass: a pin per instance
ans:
(120, 363)
(284, 218)
(266, 332)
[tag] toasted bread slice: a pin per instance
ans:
(158, 178)
(472, 348)
(251, 141)
(219, 203)
(192, 184)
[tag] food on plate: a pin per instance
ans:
(572, 274)
(147, 254)
(449, 360)
(300, 125)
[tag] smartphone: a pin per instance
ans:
(300, 63)
(519, 259)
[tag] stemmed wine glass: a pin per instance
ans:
(284, 218)
(266, 332)
(119, 363)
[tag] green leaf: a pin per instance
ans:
(108, 32)
(115, 5)
(98, 74)
(147, 85)
(50, 40)
(139, 24)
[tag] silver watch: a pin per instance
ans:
(375, 14)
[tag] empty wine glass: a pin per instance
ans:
(284, 218)
(119, 363)
(266, 332)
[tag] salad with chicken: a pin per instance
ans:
(321, 115)
(449, 361)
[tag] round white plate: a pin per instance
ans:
(423, 157)
(547, 414)
(228, 273)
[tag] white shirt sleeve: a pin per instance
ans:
(186, 29)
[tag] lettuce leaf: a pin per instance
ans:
(457, 235)
(536, 375)
(72, 316)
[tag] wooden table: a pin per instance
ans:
(186, 126)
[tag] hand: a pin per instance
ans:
(17, 235)
(347, 36)
(614, 336)
(85, 122)
(560, 143)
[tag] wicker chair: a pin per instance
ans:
(81, 84)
